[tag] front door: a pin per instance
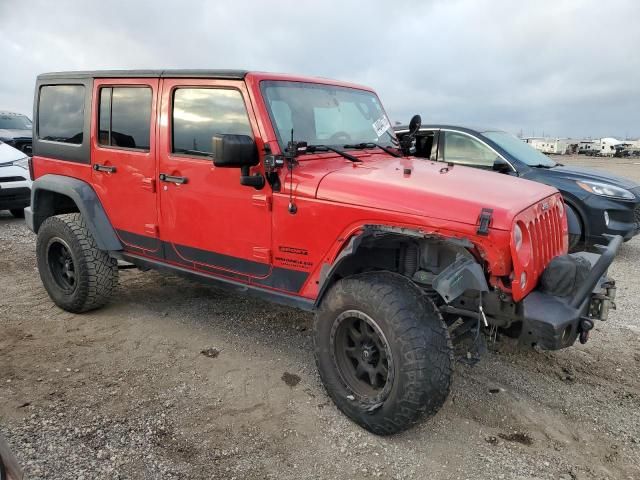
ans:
(208, 221)
(124, 159)
(463, 149)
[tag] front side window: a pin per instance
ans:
(461, 148)
(200, 113)
(326, 114)
(61, 113)
(125, 117)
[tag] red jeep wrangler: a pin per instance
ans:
(297, 190)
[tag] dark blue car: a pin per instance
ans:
(598, 203)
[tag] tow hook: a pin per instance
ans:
(585, 327)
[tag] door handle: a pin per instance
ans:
(104, 168)
(172, 178)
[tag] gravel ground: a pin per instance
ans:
(177, 380)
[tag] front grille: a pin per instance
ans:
(547, 238)
(545, 229)
(8, 195)
(636, 214)
(12, 179)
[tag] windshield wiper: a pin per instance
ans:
(362, 146)
(327, 148)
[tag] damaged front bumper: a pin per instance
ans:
(552, 322)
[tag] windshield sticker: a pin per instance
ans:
(381, 125)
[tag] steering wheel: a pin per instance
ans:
(340, 137)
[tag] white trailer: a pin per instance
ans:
(557, 146)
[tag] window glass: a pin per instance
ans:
(125, 117)
(199, 113)
(15, 122)
(61, 113)
(460, 148)
(326, 114)
(520, 150)
(105, 116)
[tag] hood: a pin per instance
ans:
(579, 173)
(14, 134)
(432, 190)
(9, 154)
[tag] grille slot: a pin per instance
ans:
(547, 238)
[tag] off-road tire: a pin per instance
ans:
(417, 338)
(17, 212)
(95, 271)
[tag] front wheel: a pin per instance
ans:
(383, 351)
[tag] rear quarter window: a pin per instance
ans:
(61, 113)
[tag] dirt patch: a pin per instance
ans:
(210, 352)
(290, 379)
(517, 437)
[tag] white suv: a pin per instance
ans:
(15, 181)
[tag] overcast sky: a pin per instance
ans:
(562, 67)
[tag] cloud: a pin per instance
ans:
(565, 67)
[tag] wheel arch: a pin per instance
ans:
(579, 221)
(395, 249)
(58, 194)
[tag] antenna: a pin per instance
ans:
(293, 209)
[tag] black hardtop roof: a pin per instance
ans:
(222, 74)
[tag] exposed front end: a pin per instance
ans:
(551, 298)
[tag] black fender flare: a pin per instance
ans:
(84, 197)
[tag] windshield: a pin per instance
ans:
(326, 114)
(15, 122)
(520, 150)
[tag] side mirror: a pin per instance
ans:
(237, 151)
(234, 151)
(406, 144)
(501, 166)
(414, 125)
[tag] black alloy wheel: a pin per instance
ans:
(61, 264)
(362, 355)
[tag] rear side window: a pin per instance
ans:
(61, 113)
(199, 113)
(124, 117)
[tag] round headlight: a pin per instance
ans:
(517, 237)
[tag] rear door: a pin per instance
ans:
(124, 159)
(208, 221)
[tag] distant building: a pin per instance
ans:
(556, 146)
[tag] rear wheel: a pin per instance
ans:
(383, 351)
(17, 212)
(76, 274)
